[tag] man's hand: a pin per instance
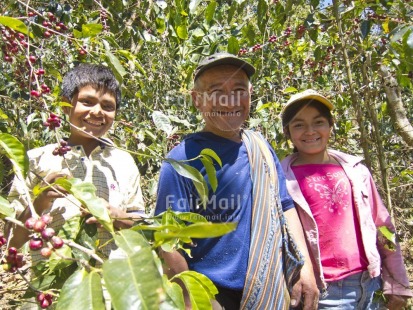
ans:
(305, 291)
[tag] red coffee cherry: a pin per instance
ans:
(39, 225)
(35, 244)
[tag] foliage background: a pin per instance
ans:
(153, 46)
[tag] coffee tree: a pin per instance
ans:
(358, 53)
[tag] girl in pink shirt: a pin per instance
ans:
(340, 210)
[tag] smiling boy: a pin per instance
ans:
(94, 95)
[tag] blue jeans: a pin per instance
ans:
(353, 292)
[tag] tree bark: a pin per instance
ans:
(396, 109)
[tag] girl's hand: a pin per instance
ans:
(396, 302)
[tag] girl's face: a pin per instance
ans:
(309, 131)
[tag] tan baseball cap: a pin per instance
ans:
(308, 95)
(223, 58)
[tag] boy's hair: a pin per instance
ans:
(97, 76)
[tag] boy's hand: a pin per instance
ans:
(121, 218)
(47, 197)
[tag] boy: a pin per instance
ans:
(94, 94)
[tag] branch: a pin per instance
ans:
(396, 109)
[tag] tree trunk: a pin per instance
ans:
(396, 109)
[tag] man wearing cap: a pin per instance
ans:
(245, 265)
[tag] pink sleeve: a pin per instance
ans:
(394, 275)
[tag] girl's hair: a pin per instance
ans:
(97, 76)
(296, 107)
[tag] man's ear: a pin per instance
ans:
(195, 98)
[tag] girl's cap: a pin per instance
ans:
(308, 95)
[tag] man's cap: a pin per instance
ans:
(223, 58)
(308, 94)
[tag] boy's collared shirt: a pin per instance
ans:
(112, 171)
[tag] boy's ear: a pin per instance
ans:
(66, 109)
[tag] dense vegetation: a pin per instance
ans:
(359, 53)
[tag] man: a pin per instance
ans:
(222, 93)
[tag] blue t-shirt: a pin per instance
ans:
(224, 259)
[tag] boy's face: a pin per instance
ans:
(93, 111)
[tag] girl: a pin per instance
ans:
(341, 212)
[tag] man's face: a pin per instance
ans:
(223, 95)
(93, 111)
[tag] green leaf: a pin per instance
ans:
(198, 33)
(365, 28)
(85, 192)
(134, 282)
(5, 208)
(57, 260)
(210, 11)
(198, 292)
(290, 90)
(389, 236)
(116, 66)
(130, 241)
(408, 43)
(193, 5)
(162, 122)
(192, 173)
(3, 115)
(16, 152)
(233, 45)
(15, 24)
(91, 30)
(196, 230)
(211, 172)
(81, 291)
(189, 217)
(160, 25)
(211, 153)
(174, 292)
(182, 31)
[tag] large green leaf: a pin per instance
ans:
(198, 230)
(16, 152)
(82, 290)
(130, 241)
(134, 282)
(116, 66)
(233, 45)
(211, 172)
(15, 24)
(174, 292)
(193, 5)
(199, 292)
(5, 208)
(211, 153)
(91, 30)
(192, 173)
(408, 43)
(210, 11)
(162, 122)
(182, 31)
